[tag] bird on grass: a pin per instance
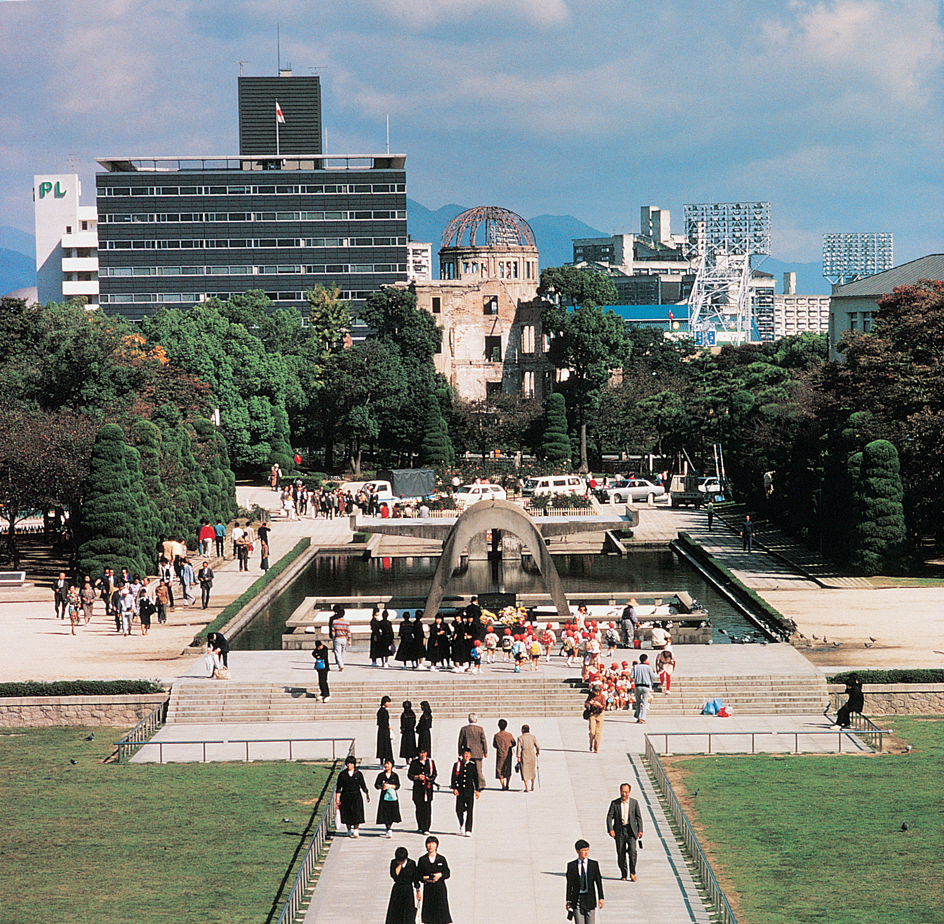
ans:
(90, 737)
(905, 826)
(286, 820)
(695, 794)
(73, 761)
(907, 748)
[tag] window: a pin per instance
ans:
(493, 390)
(437, 304)
(528, 385)
(527, 339)
(490, 304)
(493, 349)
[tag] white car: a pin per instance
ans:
(469, 494)
(710, 485)
(632, 489)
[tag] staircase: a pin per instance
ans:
(453, 696)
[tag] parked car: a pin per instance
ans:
(554, 484)
(710, 485)
(630, 489)
(469, 494)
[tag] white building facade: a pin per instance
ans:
(66, 241)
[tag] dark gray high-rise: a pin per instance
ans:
(299, 98)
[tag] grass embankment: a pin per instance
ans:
(96, 843)
(817, 838)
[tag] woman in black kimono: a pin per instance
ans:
(408, 732)
(419, 640)
(424, 735)
(432, 871)
(401, 909)
(376, 652)
(388, 808)
(348, 798)
(437, 647)
(405, 635)
(384, 744)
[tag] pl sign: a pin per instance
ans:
(45, 188)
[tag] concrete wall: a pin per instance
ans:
(121, 711)
(895, 698)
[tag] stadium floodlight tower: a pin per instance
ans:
(848, 257)
(722, 237)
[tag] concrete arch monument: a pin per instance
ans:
(503, 515)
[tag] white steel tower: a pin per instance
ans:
(722, 236)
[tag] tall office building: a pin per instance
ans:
(177, 230)
(280, 115)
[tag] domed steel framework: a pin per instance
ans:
(503, 228)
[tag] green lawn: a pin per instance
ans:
(92, 842)
(818, 838)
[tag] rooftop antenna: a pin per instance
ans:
(72, 158)
(278, 46)
(241, 63)
(388, 132)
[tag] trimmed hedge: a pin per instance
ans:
(898, 675)
(775, 620)
(79, 688)
(229, 611)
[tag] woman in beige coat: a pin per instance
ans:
(527, 756)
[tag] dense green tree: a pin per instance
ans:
(209, 451)
(590, 344)
(555, 444)
(436, 447)
(250, 384)
(879, 543)
(363, 384)
(109, 530)
(570, 285)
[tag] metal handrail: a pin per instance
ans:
(839, 732)
(715, 894)
(142, 731)
(318, 840)
(160, 745)
(863, 725)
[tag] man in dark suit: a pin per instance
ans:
(422, 774)
(472, 736)
(584, 886)
(465, 787)
(624, 822)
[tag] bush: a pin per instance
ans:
(896, 675)
(80, 688)
(879, 541)
(555, 444)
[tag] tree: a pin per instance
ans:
(436, 447)
(329, 316)
(555, 444)
(571, 285)
(879, 543)
(362, 384)
(590, 345)
(251, 385)
(109, 531)
(44, 461)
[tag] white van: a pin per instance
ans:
(554, 484)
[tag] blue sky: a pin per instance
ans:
(830, 110)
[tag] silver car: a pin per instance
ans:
(631, 489)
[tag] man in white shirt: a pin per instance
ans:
(644, 677)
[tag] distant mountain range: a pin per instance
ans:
(553, 235)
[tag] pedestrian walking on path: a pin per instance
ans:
(322, 666)
(422, 774)
(504, 745)
(747, 534)
(644, 678)
(624, 824)
(527, 756)
(584, 886)
(432, 871)
(593, 709)
(388, 806)
(401, 909)
(465, 787)
(348, 799)
(205, 577)
(384, 744)
(472, 737)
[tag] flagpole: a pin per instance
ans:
(276, 129)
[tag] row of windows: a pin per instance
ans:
(320, 269)
(237, 243)
(193, 298)
(254, 190)
(145, 218)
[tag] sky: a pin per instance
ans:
(833, 111)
